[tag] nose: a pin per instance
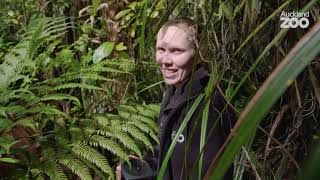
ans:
(165, 59)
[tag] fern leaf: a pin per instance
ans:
(130, 113)
(23, 122)
(124, 138)
(147, 111)
(76, 166)
(136, 133)
(12, 110)
(103, 120)
(60, 97)
(49, 110)
(154, 136)
(127, 141)
(6, 96)
(83, 76)
(54, 171)
(136, 120)
(78, 85)
(97, 68)
(87, 152)
(110, 145)
(37, 173)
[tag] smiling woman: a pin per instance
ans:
(175, 55)
(175, 52)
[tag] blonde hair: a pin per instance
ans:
(186, 24)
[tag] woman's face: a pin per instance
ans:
(174, 54)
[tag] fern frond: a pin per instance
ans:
(105, 132)
(143, 127)
(78, 85)
(88, 76)
(76, 166)
(143, 123)
(104, 120)
(5, 96)
(124, 138)
(136, 133)
(154, 136)
(37, 173)
(96, 140)
(60, 97)
(45, 30)
(131, 113)
(146, 110)
(54, 171)
(23, 122)
(49, 110)
(127, 141)
(11, 110)
(98, 68)
(90, 154)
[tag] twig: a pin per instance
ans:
(282, 147)
(251, 164)
(274, 126)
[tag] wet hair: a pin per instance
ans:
(184, 23)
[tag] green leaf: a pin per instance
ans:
(95, 5)
(110, 145)
(7, 142)
(54, 171)
(24, 122)
(92, 155)
(122, 13)
(4, 123)
(103, 51)
(225, 7)
(77, 85)
(77, 166)
(60, 97)
(121, 47)
(9, 160)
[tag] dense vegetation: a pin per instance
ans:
(80, 90)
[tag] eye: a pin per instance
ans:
(177, 50)
(160, 50)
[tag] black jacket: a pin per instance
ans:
(174, 107)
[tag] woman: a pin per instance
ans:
(175, 55)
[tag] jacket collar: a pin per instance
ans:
(192, 86)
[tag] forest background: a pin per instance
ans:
(80, 90)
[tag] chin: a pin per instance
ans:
(171, 81)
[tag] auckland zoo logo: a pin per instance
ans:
(294, 19)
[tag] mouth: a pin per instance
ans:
(169, 73)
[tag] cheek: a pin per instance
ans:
(184, 60)
(158, 58)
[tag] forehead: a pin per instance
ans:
(174, 35)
